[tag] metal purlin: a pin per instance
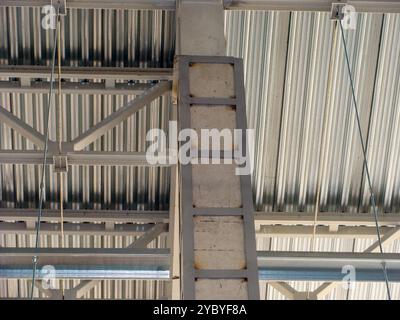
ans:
(372, 199)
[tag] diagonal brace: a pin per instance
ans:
(22, 128)
(140, 242)
(121, 114)
(387, 238)
(149, 236)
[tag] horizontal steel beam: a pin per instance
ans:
(112, 216)
(79, 158)
(325, 218)
(69, 228)
(99, 4)
(286, 5)
(25, 226)
(147, 272)
(82, 263)
(267, 224)
(104, 264)
(326, 266)
(90, 73)
(313, 5)
(320, 231)
(300, 259)
(94, 257)
(101, 158)
(43, 87)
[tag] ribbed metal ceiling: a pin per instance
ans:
(294, 76)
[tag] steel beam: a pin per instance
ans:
(325, 218)
(101, 158)
(84, 263)
(285, 5)
(320, 231)
(389, 6)
(360, 225)
(79, 216)
(124, 112)
(150, 235)
(79, 158)
(99, 4)
(387, 239)
(273, 266)
(154, 271)
(326, 266)
(305, 259)
(21, 127)
(82, 288)
(90, 73)
(43, 87)
(124, 229)
(284, 289)
(77, 229)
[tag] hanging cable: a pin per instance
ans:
(373, 203)
(59, 127)
(59, 138)
(41, 187)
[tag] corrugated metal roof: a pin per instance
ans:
(287, 57)
(121, 38)
(97, 38)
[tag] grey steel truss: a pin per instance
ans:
(189, 274)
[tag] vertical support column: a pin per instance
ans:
(218, 251)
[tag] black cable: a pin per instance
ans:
(373, 203)
(41, 195)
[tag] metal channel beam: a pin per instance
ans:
(137, 229)
(154, 264)
(301, 259)
(114, 216)
(356, 225)
(320, 231)
(77, 229)
(79, 158)
(325, 218)
(74, 263)
(313, 5)
(110, 159)
(326, 266)
(270, 219)
(86, 257)
(285, 5)
(98, 4)
(43, 87)
(90, 73)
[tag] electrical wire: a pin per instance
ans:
(41, 192)
(59, 138)
(59, 127)
(372, 198)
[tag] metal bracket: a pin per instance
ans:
(337, 11)
(60, 163)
